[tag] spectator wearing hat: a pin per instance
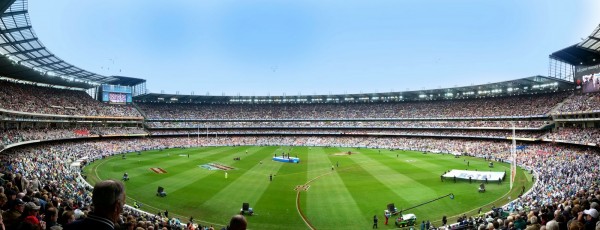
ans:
(590, 219)
(11, 217)
(108, 198)
(30, 216)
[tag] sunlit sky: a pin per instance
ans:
(275, 47)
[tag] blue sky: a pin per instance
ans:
(269, 47)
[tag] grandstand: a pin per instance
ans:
(56, 117)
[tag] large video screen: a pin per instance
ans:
(117, 97)
(116, 94)
(587, 78)
(590, 83)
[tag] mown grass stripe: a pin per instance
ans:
(347, 197)
(329, 204)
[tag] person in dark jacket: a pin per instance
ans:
(108, 199)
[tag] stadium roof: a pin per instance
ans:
(587, 52)
(24, 56)
(535, 84)
(129, 81)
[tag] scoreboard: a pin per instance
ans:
(116, 94)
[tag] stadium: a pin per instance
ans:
(507, 155)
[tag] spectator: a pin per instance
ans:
(237, 222)
(108, 199)
(11, 217)
(29, 217)
(51, 217)
(66, 218)
(533, 224)
(590, 219)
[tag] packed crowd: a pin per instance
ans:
(566, 196)
(11, 136)
(25, 178)
(46, 100)
(575, 135)
(529, 124)
(524, 105)
(567, 176)
(581, 102)
(502, 134)
(116, 130)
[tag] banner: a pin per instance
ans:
(475, 175)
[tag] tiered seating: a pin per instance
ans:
(46, 100)
(526, 105)
(568, 174)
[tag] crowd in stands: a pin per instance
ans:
(46, 100)
(575, 135)
(524, 105)
(532, 124)
(581, 102)
(117, 130)
(11, 136)
(567, 176)
(401, 132)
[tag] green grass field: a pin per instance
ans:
(363, 184)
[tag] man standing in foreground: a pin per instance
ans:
(108, 199)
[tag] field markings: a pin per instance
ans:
(161, 159)
(393, 178)
(146, 206)
(328, 198)
(177, 181)
(249, 186)
(180, 178)
(316, 169)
